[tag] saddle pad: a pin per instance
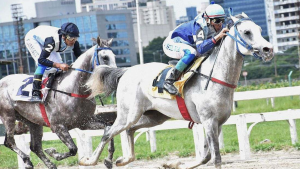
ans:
(156, 92)
(24, 92)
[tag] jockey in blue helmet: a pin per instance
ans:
(194, 38)
(44, 44)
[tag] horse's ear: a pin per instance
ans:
(94, 40)
(234, 19)
(99, 41)
(109, 42)
(244, 15)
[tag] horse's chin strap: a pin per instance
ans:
(242, 42)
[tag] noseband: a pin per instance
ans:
(95, 59)
(242, 42)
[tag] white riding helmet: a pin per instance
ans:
(214, 11)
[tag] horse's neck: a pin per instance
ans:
(76, 78)
(228, 64)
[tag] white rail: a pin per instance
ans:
(84, 142)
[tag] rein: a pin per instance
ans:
(95, 59)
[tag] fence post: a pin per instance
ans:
(152, 138)
(233, 106)
(199, 139)
(23, 145)
(221, 139)
(293, 131)
(244, 145)
(272, 102)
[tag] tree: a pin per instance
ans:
(154, 52)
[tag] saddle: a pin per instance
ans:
(157, 89)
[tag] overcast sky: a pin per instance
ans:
(29, 8)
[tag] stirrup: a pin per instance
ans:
(36, 99)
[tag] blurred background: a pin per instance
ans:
(279, 20)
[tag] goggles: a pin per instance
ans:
(218, 20)
(71, 38)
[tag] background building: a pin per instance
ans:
(255, 9)
(107, 24)
(191, 12)
(156, 18)
(284, 23)
(54, 8)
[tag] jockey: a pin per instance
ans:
(44, 44)
(193, 38)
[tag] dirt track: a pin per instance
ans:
(261, 160)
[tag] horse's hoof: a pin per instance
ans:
(121, 161)
(50, 151)
(172, 165)
(108, 163)
(85, 161)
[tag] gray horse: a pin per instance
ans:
(211, 107)
(64, 112)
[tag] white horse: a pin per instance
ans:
(211, 107)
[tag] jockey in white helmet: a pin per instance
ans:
(193, 38)
(44, 44)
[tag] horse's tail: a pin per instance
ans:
(105, 80)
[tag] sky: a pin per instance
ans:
(29, 8)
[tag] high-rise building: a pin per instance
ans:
(156, 18)
(191, 12)
(115, 24)
(285, 23)
(54, 8)
(255, 9)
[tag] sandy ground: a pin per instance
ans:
(285, 159)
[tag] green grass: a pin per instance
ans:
(181, 143)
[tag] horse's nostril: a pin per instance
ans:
(266, 49)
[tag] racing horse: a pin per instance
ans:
(64, 111)
(136, 108)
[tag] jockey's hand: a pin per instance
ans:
(61, 66)
(221, 34)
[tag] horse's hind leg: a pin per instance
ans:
(149, 119)
(8, 120)
(36, 133)
(64, 135)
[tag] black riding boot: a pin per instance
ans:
(168, 85)
(36, 90)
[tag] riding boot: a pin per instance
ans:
(36, 90)
(176, 72)
(168, 85)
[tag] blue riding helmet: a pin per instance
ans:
(214, 11)
(70, 29)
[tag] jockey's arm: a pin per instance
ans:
(49, 46)
(76, 49)
(205, 45)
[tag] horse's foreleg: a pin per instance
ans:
(64, 135)
(212, 128)
(9, 142)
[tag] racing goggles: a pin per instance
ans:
(218, 20)
(71, 38)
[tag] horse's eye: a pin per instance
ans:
(247, 33)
